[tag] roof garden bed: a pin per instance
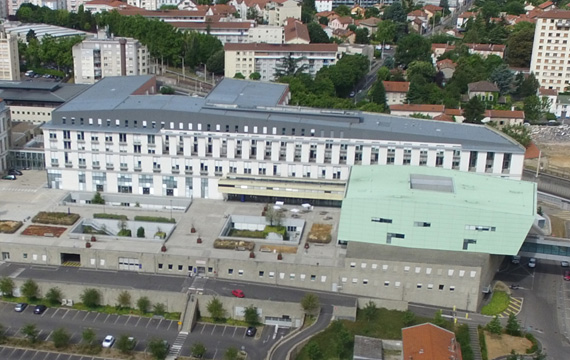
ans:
(41, 230)
(55, 218)
(234, 244)
(284, 249)
(320, 233)
(286, 231)
(10, 226)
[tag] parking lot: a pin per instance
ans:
(9, 353)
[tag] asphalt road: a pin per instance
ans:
(11, 353)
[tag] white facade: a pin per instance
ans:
(279, 12)
(152, 4)
(5, 125)
(93, 59)
(73, 5)
(14, 5)
(9, 59)
(550, 49)
(323, 5)
(266, 34)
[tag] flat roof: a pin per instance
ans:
(247, 93)
(39, 91)
(436, 208)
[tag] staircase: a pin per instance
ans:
(474, 339)
(174, 350)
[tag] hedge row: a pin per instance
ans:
(155, 219)
(110, 216)
(55, 218)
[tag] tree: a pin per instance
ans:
(273, 216)
(494, 326)
(532, 108)
(239, 76)
(215, 62)
(60, 338)
(342, 10)
(317, 34)
(30, 289)
(310, 303)
(124, 299)
(519, 46)
(343, 339)
(503, 77)
(445, 5)
(383, 74)
(251, 316)
(198, 350)
(378, 94)
(528, 87)
(288, 65)
(520, 133)
(143, 304)
(386, 32)
(216, 309)
(88, 336)
(140, 232)
(513, 355)
(439, 320)
(254, 76)
(231, 353)
(124, 344)
(409, 318)
(252, 13)
(411, 48)
(159, 309)
(421, 69)
(98, 199)
(513, 327)
(158, 348)
(395, 12)
(314, 351)
(361, 36)
(7, 287)
(323, 20)
(91, 298)
(514, 8)
(370, 311)
(474, 111)
(166, 90)
(31, 332)
(371, 12)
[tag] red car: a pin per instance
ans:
(567, 275)
(238, 293)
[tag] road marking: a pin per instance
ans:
(214, 328)
(55, 313)
(203, 329)
(86, 315)
(66, 311)
(118, 317)
(47, 338)
(224, 331)
(73, 318)
(106, 318)
(148, 323)
(137, 324)
(172, 322)
(235, 329)
(96, 317)
(157, 325)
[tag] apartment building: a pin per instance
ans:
(242, 141)
(152, 4)
(550, 63)
(266, 58)
(5, 134)
(266, 34)
(94, 59)
(225, 31)
(278, 11)
(14, 5)
(9, 58)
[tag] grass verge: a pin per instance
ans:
(499, 303)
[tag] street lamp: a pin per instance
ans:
(183, 70)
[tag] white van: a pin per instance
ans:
(30, 73)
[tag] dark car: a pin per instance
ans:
(251, 331)
(9, 177)
(39, 309)
(14, 172)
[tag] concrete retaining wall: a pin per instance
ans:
(383, 303)
(549, 184)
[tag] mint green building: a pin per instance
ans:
(438, 209)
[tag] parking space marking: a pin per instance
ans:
(106, 318)
(118, 317)
(96, 316)
(86, 315)
(144, 321)
(235, 329)
(172, 322)
(203, 329)
(55, 313)
(139, 320)
(157, 325)
(213, 330)
(78, 312)
(26, 355)
(66, 312)
(47, 337)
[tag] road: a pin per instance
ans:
(11, 353)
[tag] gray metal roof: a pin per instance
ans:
(39, 91)
(110, 99)
(247, 93)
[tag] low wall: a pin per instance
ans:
(174, 302)
(344, 312)
(383, 303)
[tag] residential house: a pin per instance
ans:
(422, 15)
(396, 91)
(323, 5)
(371, 24)
(429, 342)
(562, 107)
(484, 90)
(345, 35)
(432, 10)
(341, 22)
(330, 15)
(99, 6)
(367, 348)
(423, 109)
(439, 49)
(295, 32)
(550, 95)
(455, 114)
(463, 18)
(485, 50)
(547, 6)
(357, 11)
(504, 117)
(447, 68)
(419, 25)
(278, 11)
(360, 49)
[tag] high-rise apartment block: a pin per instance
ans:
(9, 59)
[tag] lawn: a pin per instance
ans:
(55, 218)
(40, 230)
(499, 303)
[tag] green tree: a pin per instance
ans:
(198, 350)
(251, 316)
(343, 339)
(386, 32)
(342, 10)
(159, 309)
(378, 94)
(88, 336)
(274, 217)
(362, 36)
(413, 47)
(528, 87)
(520, 133)
(317, 34)
(124, 299)
(514, 8)
(310, 303)
(474, 111)
(503, 78)
(371, 12)
(124, 344)
(323, 20)
(513, 355)
(314, 351)
(288, 65)
(513, 327)
(164, 90)
(370, 311)
(98, 199)
(231, 353)
(60, 338)
(422, 69)
(31, 332)
(140, 232)
(30, 289)
(532, 108)
(143, 304)
(254, 76)
(445, 5)
(91, 298)
(239, 76)
(409, 318)
(216, 309)
(7, 287)
(383, 74)
(494, 326)
(158, 348)
(215, 62)
(395, 12)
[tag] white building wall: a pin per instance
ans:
(5, 125)
(265, 34)
(9, 58)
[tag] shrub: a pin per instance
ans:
(110, 216)
(233, 244)
(140, 232)
(464, 340)
(124, 232)
(160, 234)
(155, 219)
(91, 298)
(7, 286)
(532, 339)
(98, 199)
(54, 296)
(30, 290)
(60, 338)
(482, 343)
(55, 218)
(143, 303)
(281, 230)
(159, 309)
(254, 234)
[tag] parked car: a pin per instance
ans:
(20, 307)
(14, 172)
(108, 341)
(251, 331)
(567, 275)
(39, 309)
(9, 177)
(132, 343)
(564, 263)
(238, 293)
(516, 259)
(532, 263)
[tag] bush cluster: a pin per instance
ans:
(110, 216)
(55, 218)
(155, 219)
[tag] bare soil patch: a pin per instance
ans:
(47, 231)
(558, 226)
(9, 226)
(320, 233)
(501, 345)
(234, 244)
(278, 249)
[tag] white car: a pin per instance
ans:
(108, 341)
(564, 264)
(532, 263)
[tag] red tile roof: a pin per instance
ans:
(532, 152)
(505, 114)
(295, 29)
(446, 64)
(429, 342)
(547, 92)
(420, 108)
(112, 3)
(396, 86)
(214, 25)
(447, 47)
(345, 20)
(555, 14)
(432, 8)
(281, 47)
(467, 15)
(544, 5)
(163, 13)
(418, 13)
(444, 117)
(454, 112)
(486, 47)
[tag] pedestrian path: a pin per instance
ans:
(515, 306)
(474, 340)
(177, 345)
(17, 189)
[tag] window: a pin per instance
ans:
(418, 269)
(210, 269)
(374, 266)
(422, 224)
(386, 283)
(352, 264)
(381, 220)
(271, 274)
(240, 272)
(384, 267)
(441, 287)
(430, 286)
(281, 276)
(354, 280)
(291, 276)
(365, 281)
(344, 279)
(160, 266)
(406, 268)
(323, 278)
(428, 271)
(169, 266)
(261, 273)
(363, 265)
(230, 271)
(419, 285)
(450, 272)
(461, 273)
(25, 255)
(452, 288)
(473, 273)
(313, 277)
(389, 237)
(303, 277)
(480, 228)
(397, 284)
(180, 267)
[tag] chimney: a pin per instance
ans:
(123, 43)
